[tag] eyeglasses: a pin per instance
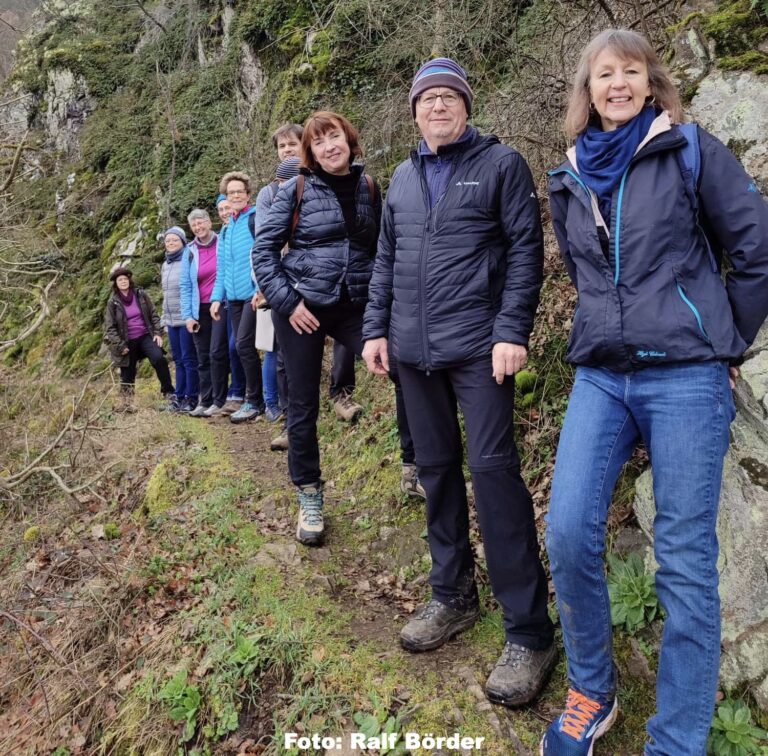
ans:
(236, 193)
(450, 99)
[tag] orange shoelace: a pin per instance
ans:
(579, 711)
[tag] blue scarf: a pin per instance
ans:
(603, 156)
(172, 257)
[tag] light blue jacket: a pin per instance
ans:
(188, 286)
(234, 277)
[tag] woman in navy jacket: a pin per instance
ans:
(320, 286)
(655, 335)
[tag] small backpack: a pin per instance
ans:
(689, 160)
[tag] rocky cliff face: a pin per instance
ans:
(15, 20)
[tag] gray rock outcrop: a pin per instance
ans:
(742, 530)
(68, 106)
(734, 107)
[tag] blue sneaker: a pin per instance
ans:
(246, 412)
(575, 731)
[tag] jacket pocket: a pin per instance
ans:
(693, 309)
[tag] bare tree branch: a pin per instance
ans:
(15, 165)
(46, 645)
(141, 7)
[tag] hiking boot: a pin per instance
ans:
(345, 407)
(310, 530)
(575, 731)
(435, 623)
(280, 443)
(246, 412)
(172, 403)
(273, 413)
(410, 483)
(199, 411)
(519, 674)
(231, 406)
(214, 411)
(188, 405)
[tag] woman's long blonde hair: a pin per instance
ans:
(628, 45)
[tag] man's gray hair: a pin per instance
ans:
(198, 213)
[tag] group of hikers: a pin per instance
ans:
(436, 286)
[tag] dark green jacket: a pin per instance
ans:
(116, 325)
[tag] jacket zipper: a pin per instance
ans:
(694, 310)
(617, 231)
(423, 273)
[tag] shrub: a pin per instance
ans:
(634, 603)
(732, 732)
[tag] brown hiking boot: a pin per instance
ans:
(280, 443)
(345, 407)
(410, 483)
(519, 674)
(434, 624)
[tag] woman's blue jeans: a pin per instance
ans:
(682, 413)
(185, 360)
(269, 379)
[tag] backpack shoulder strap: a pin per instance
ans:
(689, 160)
(273, 187)
(299, 195)
(252, 225)
(371, 188)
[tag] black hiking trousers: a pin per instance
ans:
(503, 502)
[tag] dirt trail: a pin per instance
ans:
(378, 615)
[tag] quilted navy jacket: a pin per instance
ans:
(452, 281)
(658, 296)
(322, 255)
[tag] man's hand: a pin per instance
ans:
(733, 374)
(258, 300)
(507, 359)
(192, 325)
(376, 356)
(302, 320)
(125, 350)
(215, 307)
(158, 340)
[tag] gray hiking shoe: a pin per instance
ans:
(410, 483)
(434, 624)
(198, 411)
(310, 530)
(519, 674)
(214, 411)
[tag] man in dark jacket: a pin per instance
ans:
(454, 291)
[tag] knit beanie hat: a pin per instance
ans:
(288, 168)
(119, 270)
(220, 199)
(441, 72)
(177, 231)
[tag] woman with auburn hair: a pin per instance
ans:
(656, 340)
(329, 217)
